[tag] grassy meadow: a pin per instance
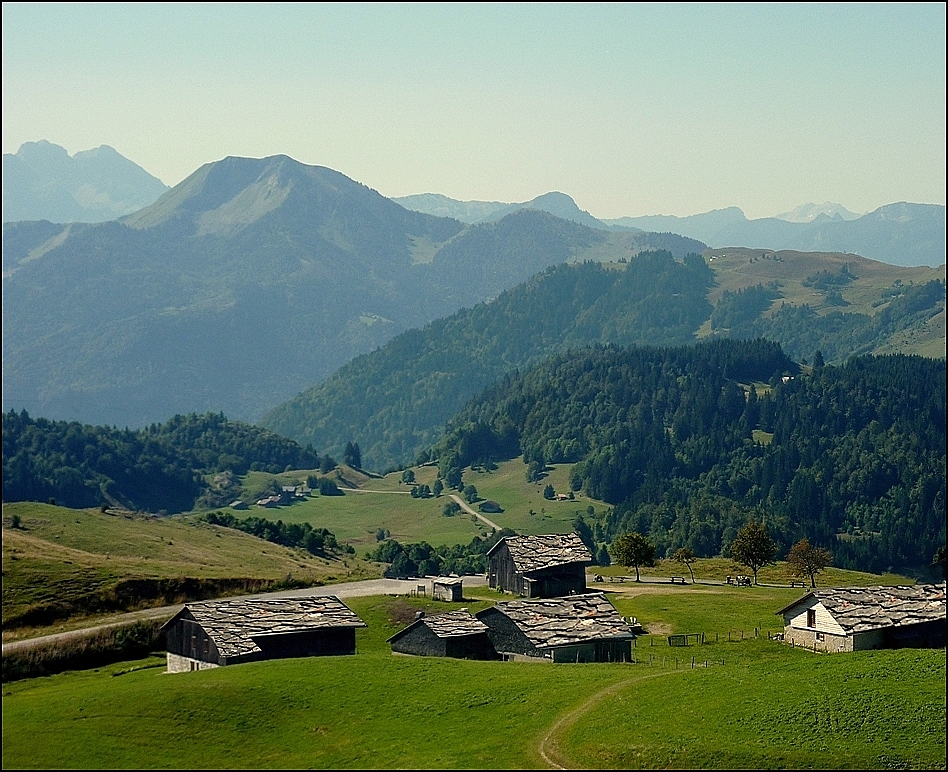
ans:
(748, 703)
(385, 502)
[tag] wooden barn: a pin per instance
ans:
(455, 634)
(447, 588)
(576, 628)
(855, 618)
(546, 566)
(226, 632)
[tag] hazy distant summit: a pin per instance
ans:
(471, 212)
(41, 181)
(811, 212)
(899, 234)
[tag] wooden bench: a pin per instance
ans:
(678, 580)
(798, 584)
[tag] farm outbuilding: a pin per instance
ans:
(226, 632)
(545, 566)
(447, 588)
(576, 628)
(456, 634)
(856, 618)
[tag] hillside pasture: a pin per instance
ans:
(71, 561)
(754, 705)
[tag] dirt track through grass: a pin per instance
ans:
(547, 747)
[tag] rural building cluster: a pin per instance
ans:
(554, 619)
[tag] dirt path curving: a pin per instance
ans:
(547, 746)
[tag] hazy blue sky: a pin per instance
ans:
(631, 109)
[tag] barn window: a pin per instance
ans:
(811, 617)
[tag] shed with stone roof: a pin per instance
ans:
(856, 618)
(545, 566)
(457, 634)
(576, 628)
(447, 588)
(226, 632)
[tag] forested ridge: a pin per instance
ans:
(396, 401)
(160, 468)
(690, 443)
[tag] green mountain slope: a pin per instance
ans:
(394, 401)
(690, 443)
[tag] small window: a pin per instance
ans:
(811, 617)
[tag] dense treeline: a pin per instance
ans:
(397, 400)
(316, 541)
(690, 443)
(156, 469)
(421, 559)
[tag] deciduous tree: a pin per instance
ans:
(633, 549)
(687, 556)
(807, 560)
(753, 547)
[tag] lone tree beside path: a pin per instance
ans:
(687, 556)
(753, 547)
(633, 549)
(806, 560)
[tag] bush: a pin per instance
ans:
(103, 647)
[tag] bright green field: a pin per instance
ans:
(767, 707)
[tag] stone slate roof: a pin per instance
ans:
(857, 609)
(448, 581)
(233, 624)
(452, 624)
(534, 553)
(569, 620)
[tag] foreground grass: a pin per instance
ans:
(776, 710)
(767, 707)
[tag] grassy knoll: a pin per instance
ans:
(739, 268)
(767, 707)
(71, 561)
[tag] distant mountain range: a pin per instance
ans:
(247, 283)
(558, 204)
(42, 182)
(810, 212)
(900, 234)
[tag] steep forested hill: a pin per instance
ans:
(160, 468)
(394, 401)
(689, 443)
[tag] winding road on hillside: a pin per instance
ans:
(467, 508)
